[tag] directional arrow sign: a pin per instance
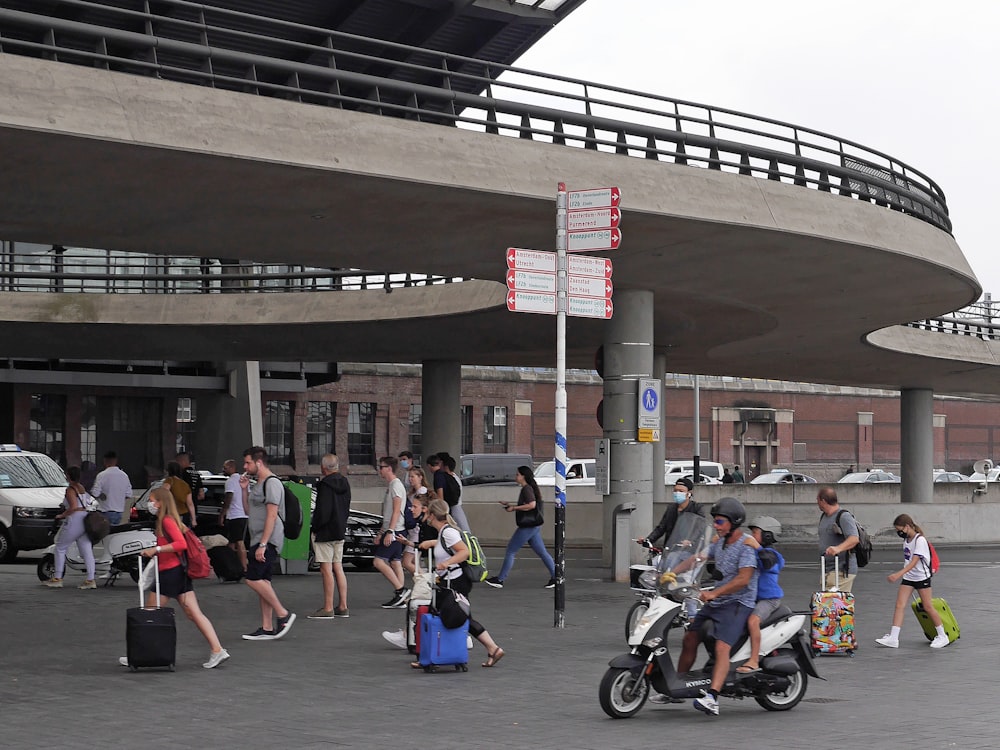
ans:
(587, 307)
(588, 286)
(606, 197)
(532, 302)
(593, 218)
(588, 265)
(532, 281)
(598, 239)
(530, 260)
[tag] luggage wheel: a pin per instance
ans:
(461, 667)
(430, 668)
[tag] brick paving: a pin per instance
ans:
(337, 683)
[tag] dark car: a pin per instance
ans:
(209, 507)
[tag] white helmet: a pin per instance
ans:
(767, 525)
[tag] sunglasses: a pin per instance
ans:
(719, 521)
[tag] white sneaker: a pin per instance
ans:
(888, 641)
(215, 660)
(397, 638)
(940, 641)
(707, 705)
(123, 661)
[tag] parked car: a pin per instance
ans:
(491, 468)
(782, 476)
(950, 476)
(208, 507)
(865, 477)
(32, 487)
(705, 479)
(686, 467)
(579, 473)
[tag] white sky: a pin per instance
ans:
(916, 80)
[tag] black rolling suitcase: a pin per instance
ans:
(150, 634)
(225, 563)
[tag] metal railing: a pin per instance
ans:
(193, 43)
(62, 269)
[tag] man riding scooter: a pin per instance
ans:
(729, 604)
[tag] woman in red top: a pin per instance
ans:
(174, 581)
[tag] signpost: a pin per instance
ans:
(649, 410)
(559, 284)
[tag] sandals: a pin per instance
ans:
(492, 659)
(747, 669)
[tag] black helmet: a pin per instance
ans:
(730, 508)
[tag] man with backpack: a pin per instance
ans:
(838, 535)
(267, 536)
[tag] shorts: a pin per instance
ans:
(236, 530)
(329, 552)
(392, 553)
(765, 608)
(261, 571)
(174, 582)
(924, 584)
(730, 620)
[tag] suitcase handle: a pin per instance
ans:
(836, 573)
(153, 561)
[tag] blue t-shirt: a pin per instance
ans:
(728, 561)
(767, 585)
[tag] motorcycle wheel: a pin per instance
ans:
(46, 567)
(636, 611)
(790, 698)
(134, 573)
(623, 693)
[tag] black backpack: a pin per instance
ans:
(863, 549)
(292, 519)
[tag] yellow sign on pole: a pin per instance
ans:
(648, 435)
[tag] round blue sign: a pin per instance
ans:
(649, 399)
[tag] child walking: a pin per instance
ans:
(916, 575)
(766, 531)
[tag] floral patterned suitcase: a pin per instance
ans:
(832, 630)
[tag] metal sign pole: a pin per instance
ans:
(560, 415)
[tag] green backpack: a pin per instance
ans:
(475, 567)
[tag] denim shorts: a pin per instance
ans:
(392, 553)
(261, 571)
(730, 620)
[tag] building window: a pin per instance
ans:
(88, 429)
(361, 434)
(319, 430)
(467, 429)
(187, 417)
(278, 436)
(495, 429)
(46, 425)
(417, 433)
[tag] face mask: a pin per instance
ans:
(901, 534)
(404, 463)
(153, 510)
(680, 497)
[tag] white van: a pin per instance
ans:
(32, 488)
(579, 473)
(673, 470)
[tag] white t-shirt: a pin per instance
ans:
(917, 546)
(450, 536)
(236, 504)
(116, 487)
(394, 490)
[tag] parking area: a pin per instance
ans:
(334, 683)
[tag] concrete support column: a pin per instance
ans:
(917, 445)
(236, 417)
(660, 447)
(628, 356)
(441, 396)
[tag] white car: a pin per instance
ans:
(579, 473)
(783, 477)
(867, 477)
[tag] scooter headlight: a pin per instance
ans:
(647, 580)
(653, 642)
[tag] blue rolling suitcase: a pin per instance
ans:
(441, 646)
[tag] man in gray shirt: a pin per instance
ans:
(838, 535)
(267, 536)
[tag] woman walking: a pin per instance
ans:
(916, 576)
(449, 554)
(75, 511)
(529, 520)
(174, 581)
(181, 491)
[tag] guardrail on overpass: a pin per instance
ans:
(191, 43)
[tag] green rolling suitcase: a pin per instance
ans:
(947, 619)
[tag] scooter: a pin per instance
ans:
(784, 672)
(117, 553)
(642, 580)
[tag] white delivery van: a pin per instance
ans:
(673, 470)
(579, 473)
(32, 487)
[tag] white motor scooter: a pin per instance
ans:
(113, 555)
(784, 669)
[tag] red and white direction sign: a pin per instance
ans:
(598, 239)
(589, 307)
(530, 260)
(606, 197)
(588, 286)
(532, 281)
(588, 265)
(531, 302)
(593, 218)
